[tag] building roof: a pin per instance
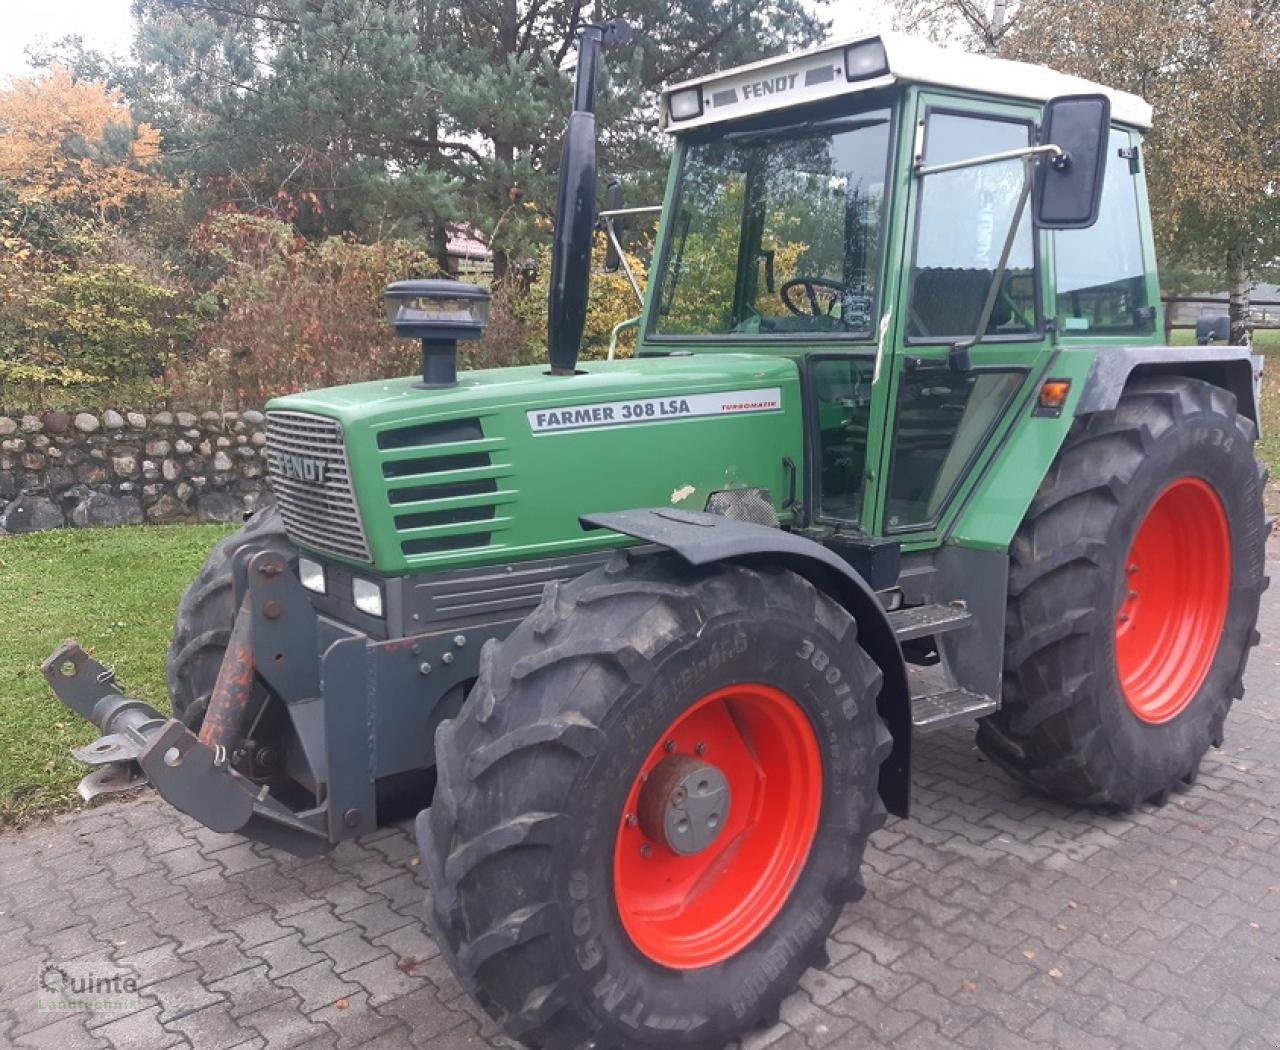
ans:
(466, 242)
(819, 73)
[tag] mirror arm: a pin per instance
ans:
(615, 213)
(1023, 154)
(958, 357)
(612, 233)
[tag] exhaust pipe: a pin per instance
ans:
(576, 205)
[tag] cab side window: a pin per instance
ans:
(1101, 279)
(961, 226)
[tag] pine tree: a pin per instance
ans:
(406, 116)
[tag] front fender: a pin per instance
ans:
(703, 539)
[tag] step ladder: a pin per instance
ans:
(935, 706)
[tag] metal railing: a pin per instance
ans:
(1170, 325)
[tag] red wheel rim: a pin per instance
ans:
(1179, 582)
(690, 911)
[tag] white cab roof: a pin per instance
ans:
(809, 76)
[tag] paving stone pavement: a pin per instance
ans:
(994, 919)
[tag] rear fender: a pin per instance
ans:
(1234, 368)
(703, 539)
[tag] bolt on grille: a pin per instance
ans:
(311, 479)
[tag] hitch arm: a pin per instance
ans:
(138, 743)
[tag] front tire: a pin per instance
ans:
(206, 613)
(569, 909)
(1133, 597)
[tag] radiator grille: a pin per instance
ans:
(311, 479)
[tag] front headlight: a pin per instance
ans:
(367, 596)
(311, 573)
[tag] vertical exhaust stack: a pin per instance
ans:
(576, 205)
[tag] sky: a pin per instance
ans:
(106, 25)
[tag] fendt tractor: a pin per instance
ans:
(899, 448)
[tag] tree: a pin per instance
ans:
(80, 299)
(968, 21)
(407, 115)
(74, 144)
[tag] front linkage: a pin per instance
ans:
(305, 717)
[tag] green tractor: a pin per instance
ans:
(899, 448)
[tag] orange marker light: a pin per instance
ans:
(1053, 393)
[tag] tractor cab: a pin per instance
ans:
(920, 229)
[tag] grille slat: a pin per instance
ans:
(321, 514)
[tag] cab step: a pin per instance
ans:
(938, 710)
(921, 621)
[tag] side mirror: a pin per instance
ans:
(613, 202)
(1068, 189)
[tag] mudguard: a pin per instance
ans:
(703, 539)
(1234, 368)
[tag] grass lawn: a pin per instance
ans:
(115, 591)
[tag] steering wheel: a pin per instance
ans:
(831, 291)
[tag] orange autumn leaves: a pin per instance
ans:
(74, 144)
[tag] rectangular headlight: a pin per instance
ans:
(685, 105)
(367, 596)
(311, 573)
(865, 60)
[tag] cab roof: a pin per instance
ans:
(820, 73)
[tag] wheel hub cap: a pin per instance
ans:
(684, 804)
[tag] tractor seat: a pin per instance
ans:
(947, 301)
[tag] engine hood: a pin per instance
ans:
(500, 466)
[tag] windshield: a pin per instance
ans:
(778, 232)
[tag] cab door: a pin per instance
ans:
(942, 425)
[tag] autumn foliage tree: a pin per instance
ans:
(83, 296)
(74, 144)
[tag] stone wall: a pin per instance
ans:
(72, 469)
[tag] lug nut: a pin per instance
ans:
(447, 658)
(459, 640)
(645, 850)
(424, 668)
(669, 746)
(631, 820)
(700, 749)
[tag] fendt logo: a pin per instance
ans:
(303, 468)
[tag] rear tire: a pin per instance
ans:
(1133, 597)
(205, 616)
(528, 846)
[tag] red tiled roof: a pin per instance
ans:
(466, 242)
